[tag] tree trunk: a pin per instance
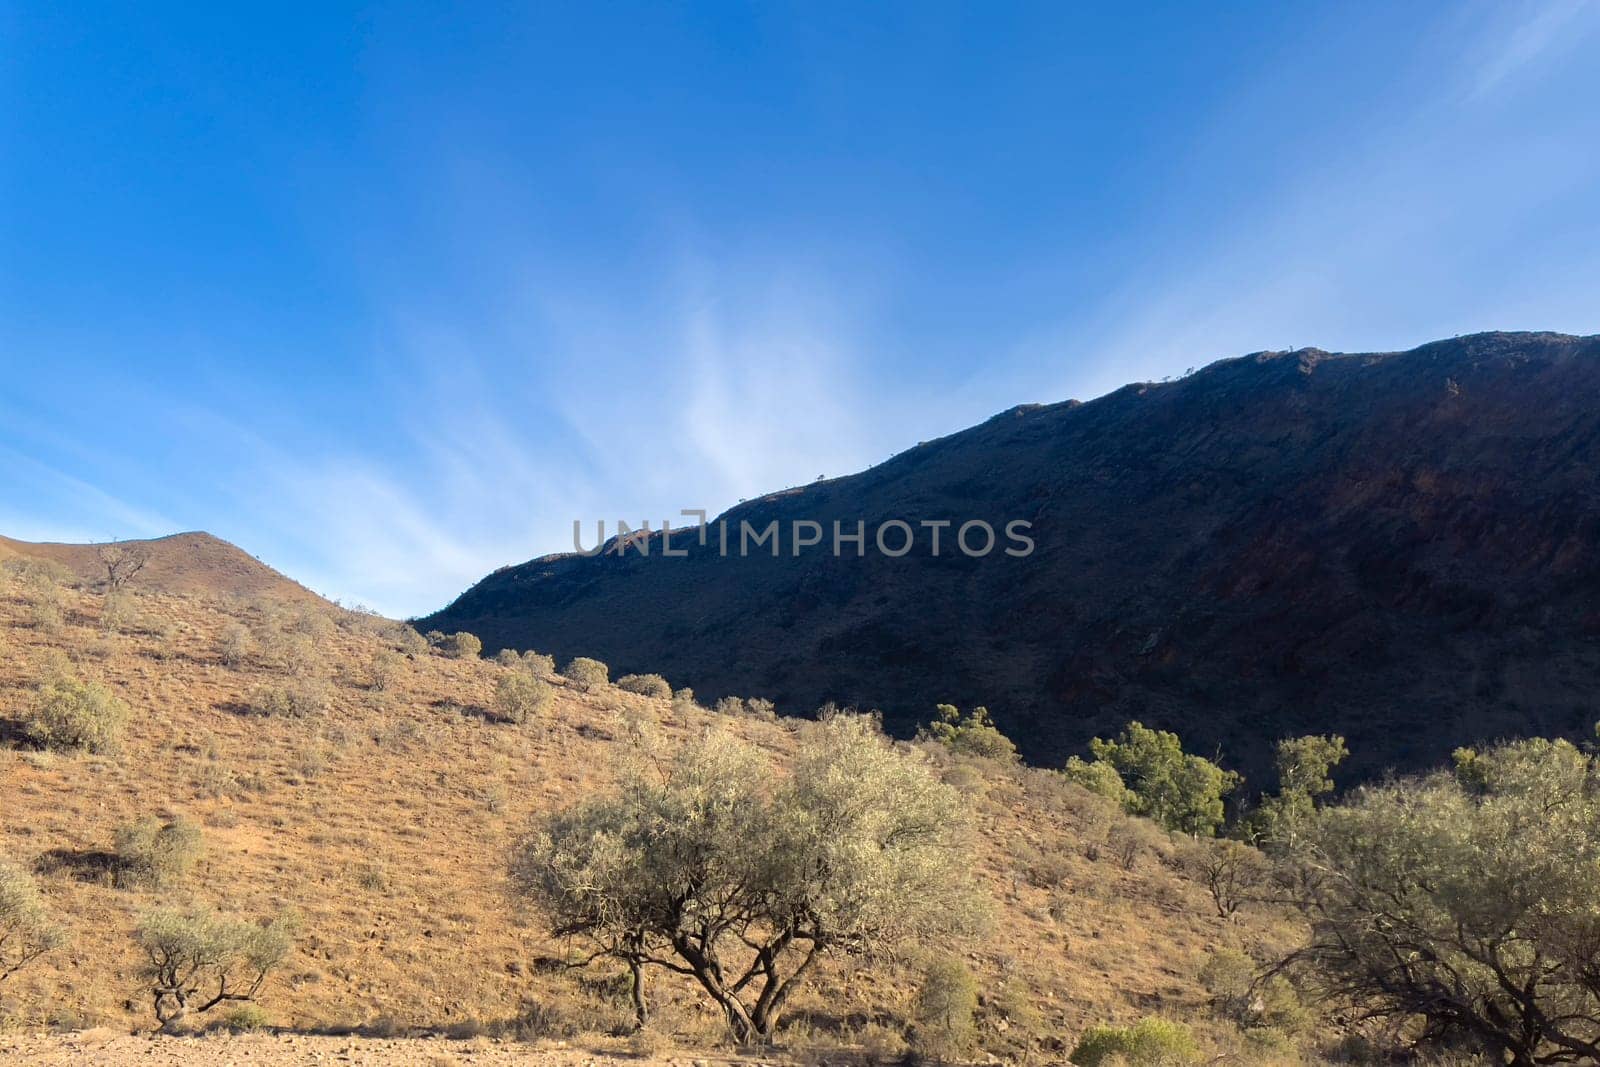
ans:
(641, 1007)
(171, 1008)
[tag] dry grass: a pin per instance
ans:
(385, 821)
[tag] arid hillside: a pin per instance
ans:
(340, 770)
(185, 563)
(1401, 547)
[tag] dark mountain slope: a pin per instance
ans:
(1403, 547)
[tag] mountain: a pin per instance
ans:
(184, 564)
(1403, 547)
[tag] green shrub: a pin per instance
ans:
(683, 700)
(729, 706)
(946, 1004)
(1229, 976)
(508, 657)
(972, 735)
(302, 699)
(26, 932)
(586, 673)
(246, 1018)
(406, 640)
(385, 668)
(1148, 1043)
(462, 645)
(650, 685)
(761, 708)
(157, 854)
(539, 662)
(117, 613)
(69, 713)
(520, 696)
(238, 645)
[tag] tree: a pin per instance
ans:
(1304, 767)
(702, 865)
(1177, 790)
(1232, 872)
(122, 560)
(586, 673)
(197, 961)
(972, 735)
(1468, 899)
(1098, 777)
(26, 932)
(645, 685)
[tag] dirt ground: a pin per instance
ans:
(106, 1047)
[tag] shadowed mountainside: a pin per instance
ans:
(1403, 547)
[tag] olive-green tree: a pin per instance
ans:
(706, 864)
(196, 961)
(1180, 791)
(1305, 766)
(586, 673)
(26, 930)
(973, 734)
(1470, 900)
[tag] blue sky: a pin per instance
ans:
(389, 296)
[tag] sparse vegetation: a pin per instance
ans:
(122, 562)
(389, 807)
(1232, 872)
(69, 713)
(196, 961)
(384, 670)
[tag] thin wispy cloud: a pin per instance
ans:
(1529, 33)
(508, 283)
